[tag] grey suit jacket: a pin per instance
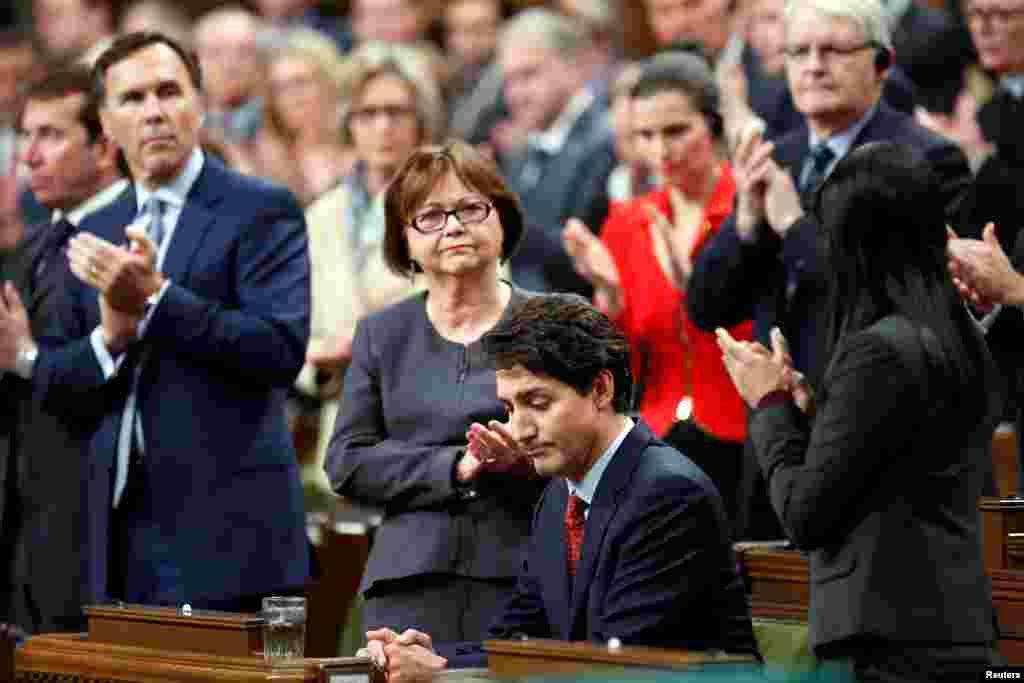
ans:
(883, 491)
(409, 397)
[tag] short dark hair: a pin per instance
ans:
(421, 172)
(65, 81)
(684, 72)
(564, 337)
(130, 43)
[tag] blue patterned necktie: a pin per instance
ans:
(815, 167)
(155, 211)
(130, 423)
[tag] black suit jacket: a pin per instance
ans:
(572, 184)
(45, 466)
(656, 568)
(883, 489)
(784, 282)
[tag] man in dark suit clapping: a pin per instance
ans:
(184, 342)
(73, 172)
(766, 262)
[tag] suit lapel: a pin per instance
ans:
(606, 501)
(196, 218)
(555, 564)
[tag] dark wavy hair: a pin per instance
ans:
(884, 230)
(564, 337)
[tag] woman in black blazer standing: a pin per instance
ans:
(880, 483)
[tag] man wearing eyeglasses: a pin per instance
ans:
(765, 262)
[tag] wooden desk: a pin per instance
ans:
(780, 585)
(75, 659)
(510, 659)
(1005, 465)
(1001, 519)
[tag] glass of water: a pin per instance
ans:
(284, 627)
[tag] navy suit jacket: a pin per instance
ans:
(784, 282)
(656, 568)
(223, 346)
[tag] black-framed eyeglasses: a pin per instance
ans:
(467, 213)
(827, 52)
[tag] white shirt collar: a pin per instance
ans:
(94, 203)
(177, 190)
(553, 139)
(1014, 83)
(588, 487)
(896, 9)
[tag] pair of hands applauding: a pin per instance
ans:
(758, 372)
(982, 271)
(124, 276)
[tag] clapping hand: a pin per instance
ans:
(758, 372)
(982, 272)
(496, 448)
(680, 235)
(752, 168)
(127, 276)
(593, 261)
(15, 332)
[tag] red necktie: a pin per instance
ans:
(574, 521)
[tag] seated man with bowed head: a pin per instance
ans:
(629, 537)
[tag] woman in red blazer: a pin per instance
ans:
(641, 264)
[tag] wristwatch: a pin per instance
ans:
(25, 361)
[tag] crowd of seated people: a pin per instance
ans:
(422, 170)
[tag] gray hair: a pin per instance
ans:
(603, 17)
(869, 15)
(540, 27)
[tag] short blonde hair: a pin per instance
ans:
(375, 59)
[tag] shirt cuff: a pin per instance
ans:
(151, 305)
(108, 364)
(773, 397)
(985, 322)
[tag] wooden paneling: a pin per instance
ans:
(513, 659)
(76, 658)
(780, 587)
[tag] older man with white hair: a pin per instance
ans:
(765, 260)
(765, 263)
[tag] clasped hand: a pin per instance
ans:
(405, 658)
(758, 372)
(491, 449)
